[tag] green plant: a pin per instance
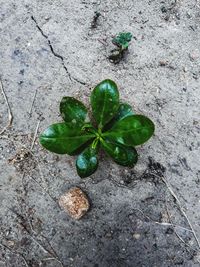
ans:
(118, 130)
(122, 41)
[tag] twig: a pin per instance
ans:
(35, 135)
(47, 259)
(163, 223)
(43, 188)
(54, 257)
(102, 41)
(15, 253)
(30, 111)
(179, 237)
(54, 254)
(173, 225)
(52, 249)
(10, 116)
(181, 209)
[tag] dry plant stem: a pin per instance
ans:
(53, 257)
(30, 111)
(35, 135)
(10, 116)
(188, 247)
(176, 226)
(46, 250)
(44, 189)
(53, 254)
(163, 223)
(181, 209)
(15, 253)
(47, 259)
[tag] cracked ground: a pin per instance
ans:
(148, 216)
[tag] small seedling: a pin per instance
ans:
(117, 131)
(122, 41)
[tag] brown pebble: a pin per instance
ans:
(74, 202)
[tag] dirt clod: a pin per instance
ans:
(74, 202)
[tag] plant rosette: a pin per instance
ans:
(117, 131)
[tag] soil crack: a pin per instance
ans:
(61, 58)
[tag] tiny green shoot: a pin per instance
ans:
(122, 41)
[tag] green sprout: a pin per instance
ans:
(122, 41)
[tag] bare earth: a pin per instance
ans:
(148, 216)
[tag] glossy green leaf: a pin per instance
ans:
(64, 138)
(87, 162)
(124, 110)
(132, 130)
(105, 102)
(123, 155)
(72, 110)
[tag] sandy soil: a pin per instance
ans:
(49, 50)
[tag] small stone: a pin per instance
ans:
(163, 63)
(47, 18)
(10, 243)
(194, 55)
(74, 202)
(136, 236)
